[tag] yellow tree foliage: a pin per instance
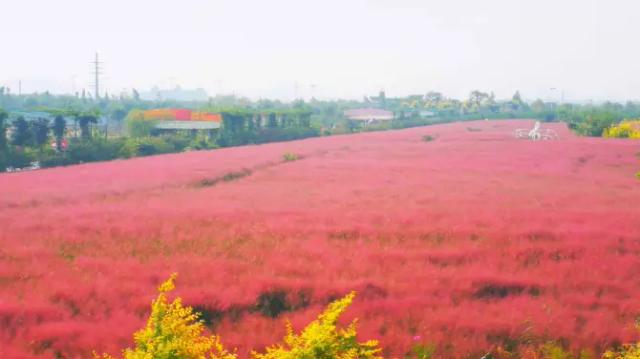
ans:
(625, 129)
(173, 332)
(323, 340)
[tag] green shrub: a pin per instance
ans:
(555, 351)
(145, 146)
(49, 157)
(289, 157)
(140, 128)
(17, 158)
(422, 351)
(178, 141)
(94, 150)
(54, 160)
(201, 143)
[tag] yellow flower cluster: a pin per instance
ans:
(631, 351)
(625, 129)
(173, 331)
(322, 339)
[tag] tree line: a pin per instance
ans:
(24, 142)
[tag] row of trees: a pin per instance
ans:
(246, 121)
(23, 141)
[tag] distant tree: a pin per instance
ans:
(596, 122)
(272, 121)
(21, 134)
(118, 113)
(477, 99)
(538, 105)
(136, 95)
(40, 129)
(490, 103)
(382, 98)
(3, 130)
(84, 122)
(516, 102)
(433, 99)
(300, 104)
(59, 127)
(264, 104)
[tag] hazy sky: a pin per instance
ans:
(588, 49)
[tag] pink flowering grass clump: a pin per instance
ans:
(471, 241)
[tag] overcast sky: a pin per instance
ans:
(588, 49)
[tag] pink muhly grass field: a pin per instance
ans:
(468, 241)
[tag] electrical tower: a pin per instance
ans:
(97, 71)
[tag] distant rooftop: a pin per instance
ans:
(187, 125)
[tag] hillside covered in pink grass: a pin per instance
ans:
(467, 241)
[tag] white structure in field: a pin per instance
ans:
(536, 133)
(368, 114)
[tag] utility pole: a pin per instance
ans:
(97, 71)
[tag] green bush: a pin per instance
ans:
(180, 142)
(201, 143)
(140, 128)
(144, 146)
(17, 158)
(423, 351)
(94, 150)
(54, 160)
(289, 157)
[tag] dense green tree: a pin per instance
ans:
(516, 102)
(84, 122)
(596, 122)
(59, 127)
(3, 130)
(538, 105)
(40, 129)
(21, 134)
(272, 121)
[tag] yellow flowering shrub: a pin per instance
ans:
(173, 332)
(627, 352)
(322, 339)
(625, 129)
